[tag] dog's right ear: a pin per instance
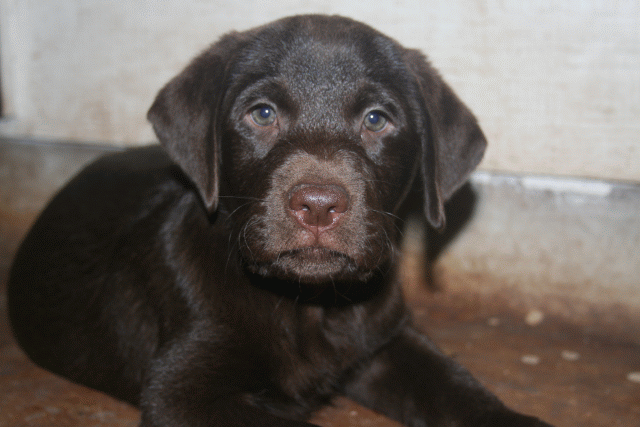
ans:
(183, 116)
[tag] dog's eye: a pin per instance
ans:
(375, 121)
(263, 115)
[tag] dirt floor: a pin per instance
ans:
(536, 364)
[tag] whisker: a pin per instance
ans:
(238, 208)
(389, 214)
(394, 217)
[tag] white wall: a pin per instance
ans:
(556, 85)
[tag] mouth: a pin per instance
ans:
(313, 266)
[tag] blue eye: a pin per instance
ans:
(375, 121)
(263, 115)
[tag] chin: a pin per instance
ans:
(313, 268)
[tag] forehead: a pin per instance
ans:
(321, 59)
(318, 70)
(321, 53)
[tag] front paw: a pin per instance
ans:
(512, 419)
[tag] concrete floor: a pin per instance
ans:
(538, 365)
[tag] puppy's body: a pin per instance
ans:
(245, 275)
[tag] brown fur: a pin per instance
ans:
(243, 274)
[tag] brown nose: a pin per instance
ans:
(318, 207)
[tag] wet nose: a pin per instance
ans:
(318, 207)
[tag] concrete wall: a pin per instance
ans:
(565, 247)
(556, 85)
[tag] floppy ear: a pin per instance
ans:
(183, 116)
(452, 142)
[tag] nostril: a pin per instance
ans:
(318, 206)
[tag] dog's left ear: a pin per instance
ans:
(452, 142)
(183, 116)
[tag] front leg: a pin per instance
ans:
(189, 385)
(202, 411)
(411, 381)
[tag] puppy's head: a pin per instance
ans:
(308, 132)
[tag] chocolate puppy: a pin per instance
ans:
(243, 273)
